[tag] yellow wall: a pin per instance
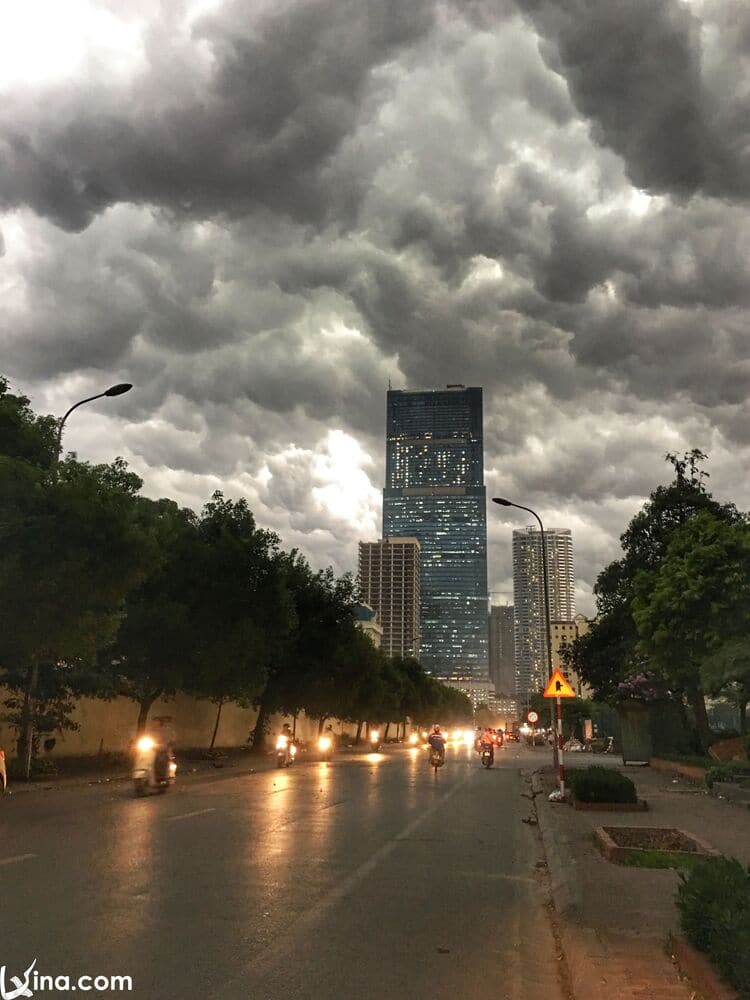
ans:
(110, 725)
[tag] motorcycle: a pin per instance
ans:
(154, 767)
(286, 751)
(374, 740)
(437, 758)
(325, 746)
(487, 755)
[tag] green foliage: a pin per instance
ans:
(731, 770)
(714, 905)
(600, 784)
(613, 649)
(662, 859)
(23, 435)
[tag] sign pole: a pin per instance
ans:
(560, 746)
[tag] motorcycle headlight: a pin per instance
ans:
(414, 739)
(172, 768)
(374, 735)
(324, 743)
(145, 743)
(281, 743)
(293, 750)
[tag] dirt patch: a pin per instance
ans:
(652, 839)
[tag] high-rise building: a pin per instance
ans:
(389, 582)
(528, 599)
(502, 649)
(434, 491)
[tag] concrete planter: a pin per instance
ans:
(640, 806)
(696, 774)
(694, 965)
(612, 851)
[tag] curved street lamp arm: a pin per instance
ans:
(65, 417)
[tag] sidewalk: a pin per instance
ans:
(615, 920)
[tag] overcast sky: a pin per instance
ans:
(259, 212)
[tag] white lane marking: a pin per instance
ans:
(302, 926)
(197, 812)
(15, 858)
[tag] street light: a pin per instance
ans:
(509, 503)
(114, 390)
(28, 726)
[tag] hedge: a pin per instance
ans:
(714, 905)
(600, 784)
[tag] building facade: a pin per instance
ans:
(528, 598)
(389, 583)
(434, 491)
(482, 694)
(368, 622)
(502, 649)
(564, 633)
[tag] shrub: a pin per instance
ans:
(600, 784)
(714, 905)
(731, 770)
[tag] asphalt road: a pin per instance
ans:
(361, 879)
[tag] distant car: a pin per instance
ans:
(3, 772)
(512, 738)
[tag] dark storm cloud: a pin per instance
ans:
(280, 94)
(279, 207)
(639, 72)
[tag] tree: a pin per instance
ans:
(71, 547)
(149, 654)
(237, 604)
(611, 650)
(693, 614)
(310, 664)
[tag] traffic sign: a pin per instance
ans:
(532, 717)
(558, 687)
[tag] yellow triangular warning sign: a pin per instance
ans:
(558, 687)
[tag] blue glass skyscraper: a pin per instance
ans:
(434, 490)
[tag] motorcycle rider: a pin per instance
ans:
(437, 740)
(487, 742)
(286, 731)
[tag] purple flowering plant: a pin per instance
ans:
(643, 687)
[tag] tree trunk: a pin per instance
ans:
(144, 707)
(26, 744)
(743, 716)
(385, 734)
(216, 726)
(294, 725)
(697, 701)
(321, 723)
(258, 735)
(358, 737)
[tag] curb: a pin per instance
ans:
(695, 774)
(696, 967)
(562, 866)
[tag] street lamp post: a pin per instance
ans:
(509, 503)
(28, 724)
(114, 390)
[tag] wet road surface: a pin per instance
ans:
(353, 880)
